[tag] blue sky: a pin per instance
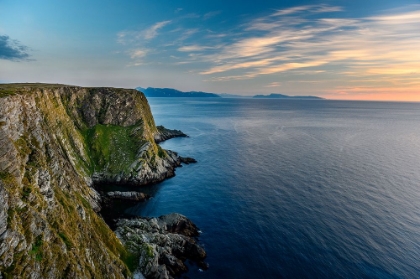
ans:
(335, 49)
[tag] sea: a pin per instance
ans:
(295, 188)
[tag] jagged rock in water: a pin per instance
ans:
(165, 134)
(187, 160)
(162, 244)
(132, 196)
(56, 141)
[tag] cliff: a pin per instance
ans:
(56, 142)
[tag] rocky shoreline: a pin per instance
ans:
(162, 244)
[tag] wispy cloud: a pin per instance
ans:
(233, 66)
(192, 48)
(12, 49)
(290, 39)
(136, 42)
(297, 42)
(307, 9)
(137, 56)
(404, 18)
(273, 84)
(292, 10)
(186, 33)
(132, 36)
(153, 31)
(138, 53)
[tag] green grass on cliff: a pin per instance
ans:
(7, 89)
(112, 148)
(36, 250)
(6, 92)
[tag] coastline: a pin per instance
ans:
(170, 240)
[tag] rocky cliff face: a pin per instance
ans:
(55, 142)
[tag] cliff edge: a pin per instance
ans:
(56, 142)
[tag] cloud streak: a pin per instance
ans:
(192, 48)
(291, 39)
(153, 31)
(308, 9)
(12, 49)
(291, 46)
(128, 37)
(138, 53)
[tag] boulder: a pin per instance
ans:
(187, 160)
(132, 196)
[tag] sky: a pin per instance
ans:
(354, 50)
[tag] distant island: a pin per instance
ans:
(227, 95)
(281, 96)
(170, 92)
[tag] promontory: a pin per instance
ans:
(58, 144)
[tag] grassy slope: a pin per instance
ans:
(112, 148)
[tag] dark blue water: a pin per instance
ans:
(296, 189)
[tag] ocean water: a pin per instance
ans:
(295, 188)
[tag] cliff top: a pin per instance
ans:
(7, 89)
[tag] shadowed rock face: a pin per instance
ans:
(55, 142)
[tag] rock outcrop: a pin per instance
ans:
(165, 134)
(132, 196)
(187, 160)
(56, 142)
(162, 244)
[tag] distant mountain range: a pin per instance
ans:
(281, 96)
(227, 95)
(170, 92)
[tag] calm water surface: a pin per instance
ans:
(296, 189)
